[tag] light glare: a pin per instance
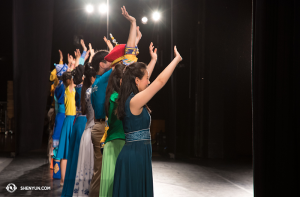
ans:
(103, 8)
(89, 8)
(144, 20)
(156, 16)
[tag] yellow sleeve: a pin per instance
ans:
(52, 90)
(53, 75)
(61, 62)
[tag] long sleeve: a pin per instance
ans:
(53, 75)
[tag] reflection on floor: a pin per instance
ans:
(207, 178)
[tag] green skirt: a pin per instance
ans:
(110, 154)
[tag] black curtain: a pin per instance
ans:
(276, 85)
(32, 41)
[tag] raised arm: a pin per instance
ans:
(87, 55)
(138, 36)
(92, 51)
(70, 61)
(153, 55)
(84, 53)
(108, 43)
(77, 57)
(83, 45)
(61, 57)
(143, 97)
(132, 33)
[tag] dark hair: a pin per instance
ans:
(77, 73)
(128, 86)
(66, 75)
(113, 84)
(99, 57)
(88, 73)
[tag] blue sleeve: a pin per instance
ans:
(81, 59)
(106, 75)
(59, 94)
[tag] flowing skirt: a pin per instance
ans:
(110, 154)
(133, 173)
(85, 165)
(65, 136)
(77, 132)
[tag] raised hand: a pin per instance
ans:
(70, 62)
(92, 51)
(61, 57)
(86, 55)
(127, 16)
(138, 35)
(153, 53)
(77, 54)
(83, 45)
(177, 55)
(108, 43)
(131, 42)
(70, 59)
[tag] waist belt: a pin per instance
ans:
(100, 120)
(139, 135)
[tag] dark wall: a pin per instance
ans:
(214, 107)
(6, 51)
(276, 86)
(32, 40)
(228, 74)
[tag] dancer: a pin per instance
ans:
(60, 117)
(74, 143)
(63, 147)
(115, 135)
(85, 162)
(133, 173)
(53, 109)
(103, 70)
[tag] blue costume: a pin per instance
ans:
(77, 131)
(133, 172)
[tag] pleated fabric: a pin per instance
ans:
(133, 173)
(77, 132)
(65, 136)
(110, 154)
(85, 165)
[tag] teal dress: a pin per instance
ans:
(133, 173)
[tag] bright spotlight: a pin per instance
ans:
(89, 8)
(144, 20)
(103, 8)
(156, 16)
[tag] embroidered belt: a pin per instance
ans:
(139, 135)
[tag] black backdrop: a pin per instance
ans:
(276, 85)
(32, 41)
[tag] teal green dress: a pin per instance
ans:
(133, 173)
(113, 145)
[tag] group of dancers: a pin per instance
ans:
(101, 143)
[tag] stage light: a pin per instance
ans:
(156, 16)
(144, 20)
(103, 8)
(89, 8)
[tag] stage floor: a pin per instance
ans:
(172, 178)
